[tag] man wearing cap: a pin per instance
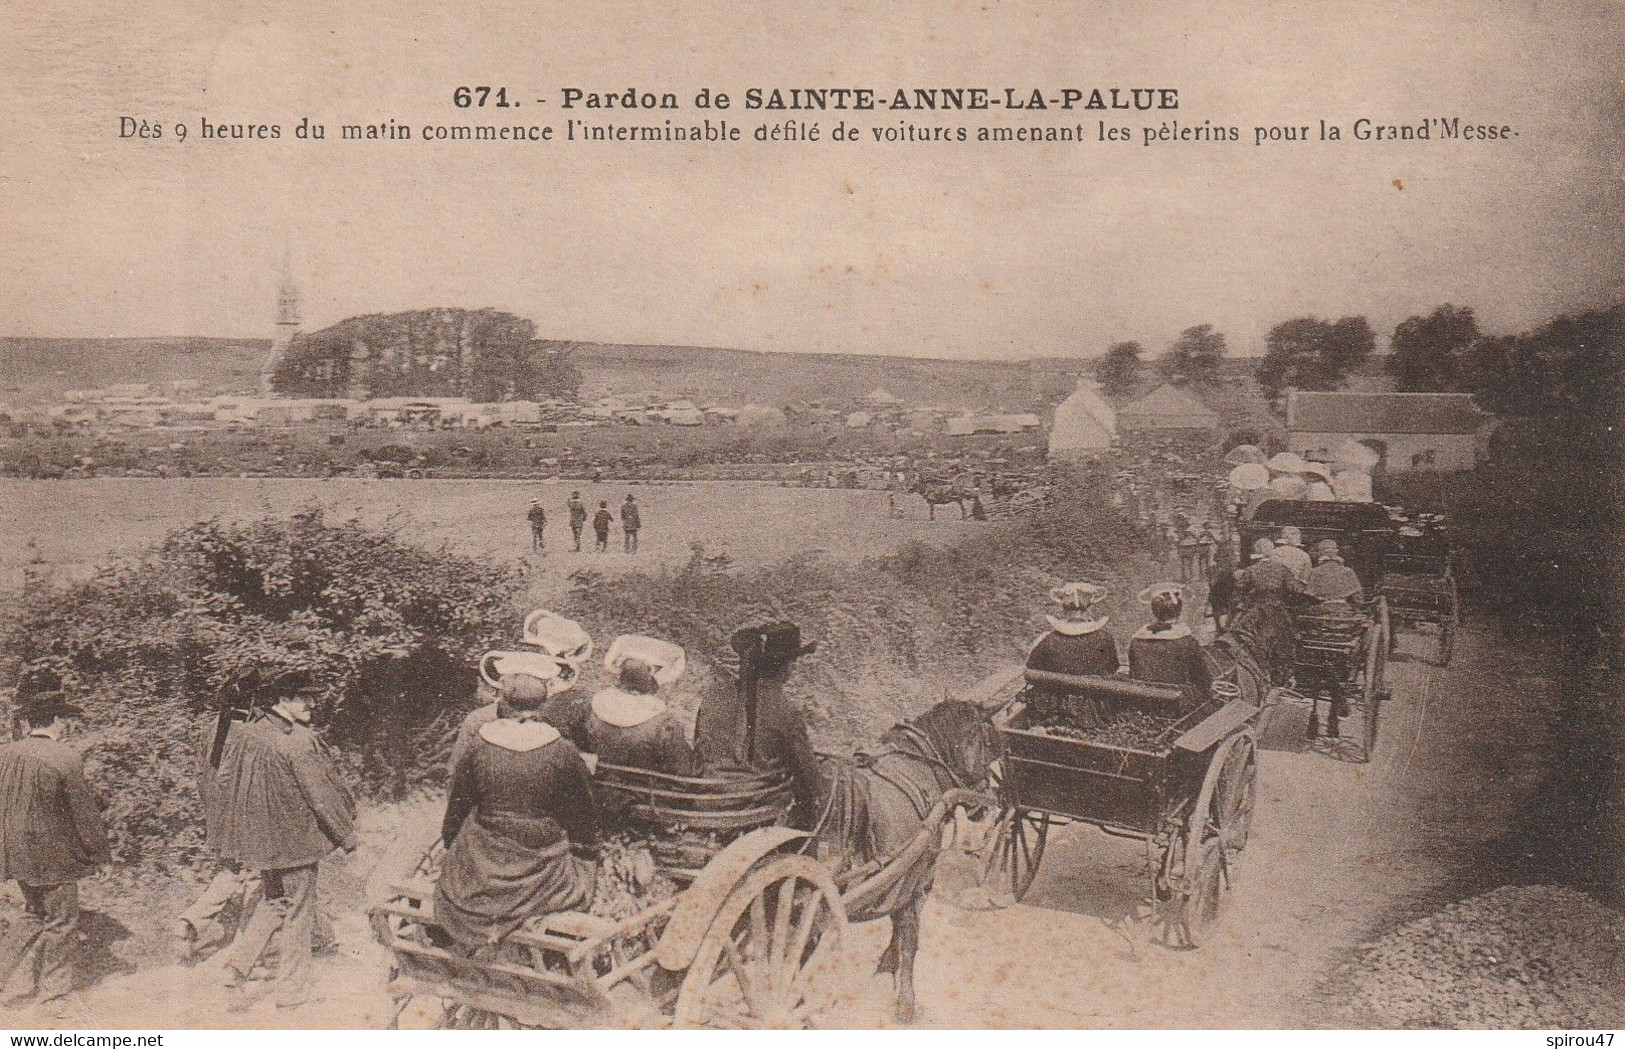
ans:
(1163, 651)
(1289, 551)
(1077, 642)
(51, 835)
(1332, 582)
(283, 808)
(520, 798)
(600, 526)
(538, 524)
(747, 723)
(578, 517)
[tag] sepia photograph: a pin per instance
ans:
(841, 515)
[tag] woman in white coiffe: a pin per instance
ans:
(628, 724)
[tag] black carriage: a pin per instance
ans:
(1181, 776)
(1419, 583)
(1340, 651)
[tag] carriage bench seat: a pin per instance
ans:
(1111, 691)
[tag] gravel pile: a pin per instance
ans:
(1519, 957)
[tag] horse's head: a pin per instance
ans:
(964, 736)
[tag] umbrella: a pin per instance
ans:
(1250, 477)
(1289, 486)
(1352, 451)
(1286, 463)
(1243, 454)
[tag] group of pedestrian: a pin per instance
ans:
(602, 521)
(274, 807)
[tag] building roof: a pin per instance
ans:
(1165, 405)
(1433, 413)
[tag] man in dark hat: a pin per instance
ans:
(538, 525)
(51, 835)
(746, 723)
(283, 808)
(578, 517)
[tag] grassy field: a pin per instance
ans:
(71, 525)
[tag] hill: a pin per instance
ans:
(36, 371)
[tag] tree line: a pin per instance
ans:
(1570, 368)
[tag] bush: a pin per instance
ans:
(388, 630)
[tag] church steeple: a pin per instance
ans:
(288, 321)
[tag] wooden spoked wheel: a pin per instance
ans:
(1017, 850)
(1234, 797)
(1210, 842)
(1199, 908)
(767, 960)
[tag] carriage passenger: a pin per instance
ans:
(1332, 582)
(1077, 643)
(628, 724)
(1163, 651)
(747, 724)
(1289, 551)
(519, 799)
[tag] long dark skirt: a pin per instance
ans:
(498, 874)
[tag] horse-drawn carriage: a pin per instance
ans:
(1135, 760)
(1340, 649)
(1419, 581)
(745, 937)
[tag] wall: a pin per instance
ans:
(1451, 451)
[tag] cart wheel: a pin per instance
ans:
(1018, 849)
(1447, 642)
(1199, 909)
(766, 961)
(1235, 795)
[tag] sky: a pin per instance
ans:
(977, 251)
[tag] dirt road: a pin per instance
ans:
(1339, 852)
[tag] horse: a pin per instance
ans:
(941, 493)
(1253, 652)
(874, 813)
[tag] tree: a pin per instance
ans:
(1429, 352)
(484, 355)
(1194, 356)
(1120, 368)
(1308, 353)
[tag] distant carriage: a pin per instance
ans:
(1339, 657)
(1419, 582)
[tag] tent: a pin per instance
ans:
(1168, 408)
(1084, 423)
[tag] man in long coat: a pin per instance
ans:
(51, 835)
(747, 724)
(283, 808)
(578, 517)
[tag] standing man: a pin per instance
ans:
(51, 835)
(538, 525)
(600, 526)
(630, 523)
(578, 517)
(283, 809)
